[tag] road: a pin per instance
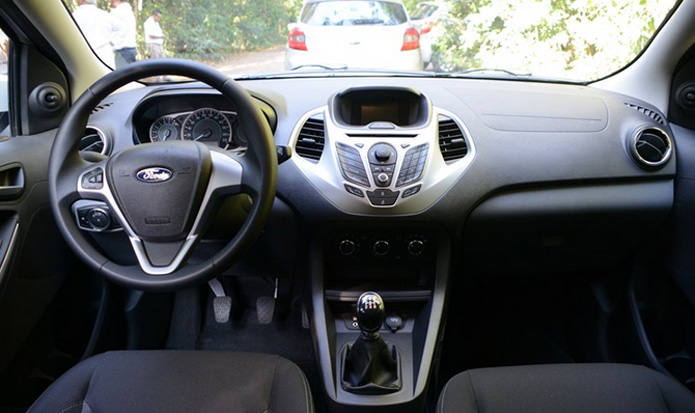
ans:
(269, 60)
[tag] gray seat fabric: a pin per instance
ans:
(565, 388)
(179, 381)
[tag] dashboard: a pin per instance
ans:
(522, 175)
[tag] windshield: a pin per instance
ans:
(344, 13)
(579, 40)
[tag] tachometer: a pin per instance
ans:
(207, 125)
(165, 129)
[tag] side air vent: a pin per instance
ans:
(94, 140)
(311, 139)
(452, 141)
(651, 147)
(655, 116)
(101, 106)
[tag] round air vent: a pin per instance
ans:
(94, 140)
(651, 147)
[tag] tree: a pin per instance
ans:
(582, 39)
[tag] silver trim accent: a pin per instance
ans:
(8, 253)
(667, 155)
(104, 138)
(436, 179)
(226, 172)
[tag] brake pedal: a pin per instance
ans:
(265, 306)
(222, 303)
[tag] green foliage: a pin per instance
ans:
(213, 29)
(581, 39)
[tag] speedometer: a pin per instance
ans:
(165, 129)
(207, 125)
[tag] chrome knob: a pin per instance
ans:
(381, 247)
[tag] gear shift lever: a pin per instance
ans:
(370, 366)
(370, 314)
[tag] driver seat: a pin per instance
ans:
(179, 381)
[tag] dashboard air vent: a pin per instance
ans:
(651, 147)
(101, 106)
(452, 141)
(94, 140)
(655, 116)
(311, 139)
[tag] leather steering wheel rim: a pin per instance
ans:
(259, 175)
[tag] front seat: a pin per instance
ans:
(565, 388)
(179, 381)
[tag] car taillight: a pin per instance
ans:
(411, 40)
(427, 27)
(296, 39)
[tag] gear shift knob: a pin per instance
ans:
(370, 313)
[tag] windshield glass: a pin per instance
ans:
(579, 40)
(344, 13)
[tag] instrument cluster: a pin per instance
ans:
(207, 125)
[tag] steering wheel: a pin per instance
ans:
(162, 193)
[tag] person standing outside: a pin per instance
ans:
(96, 28)
(123, 33)
(154, 37)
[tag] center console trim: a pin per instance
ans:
(324, 334)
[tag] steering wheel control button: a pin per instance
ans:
(93, 179)
(394, 322)
(382, 197)
(99, 218)
(351, 164)
(411, 191)
(413, 165)
(355, 191)
(94, 216)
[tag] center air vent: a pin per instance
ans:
(311, 139)
(651, 147)
(94, 140)
(452, 141)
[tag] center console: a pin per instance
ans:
(407, 265)
(381, 156)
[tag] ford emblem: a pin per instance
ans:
(153, 175)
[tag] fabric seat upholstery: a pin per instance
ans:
(179, 381)
(565, 388)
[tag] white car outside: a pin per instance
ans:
(354, 34)
(427, 18)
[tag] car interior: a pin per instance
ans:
(354, 242)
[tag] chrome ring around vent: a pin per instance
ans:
(640, 147)
(106, 142)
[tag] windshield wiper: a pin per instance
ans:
(317, 66)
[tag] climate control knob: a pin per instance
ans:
(381, 247)
(347, 247)
(416, 247)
